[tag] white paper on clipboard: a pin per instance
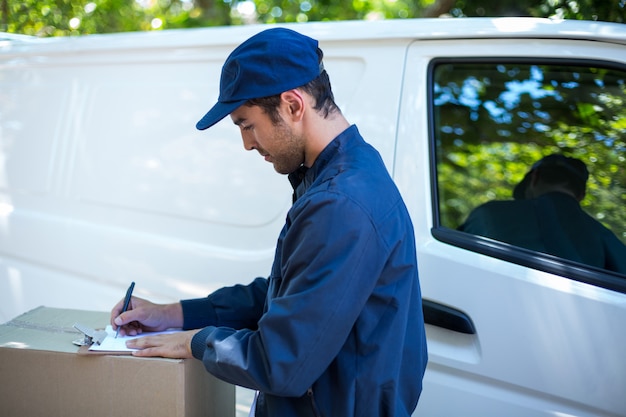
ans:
(113, 344)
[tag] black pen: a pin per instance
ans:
(129, 294)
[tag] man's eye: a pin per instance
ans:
(248, 127)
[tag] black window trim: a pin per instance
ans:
(535, 260)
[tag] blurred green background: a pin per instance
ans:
(77, 17)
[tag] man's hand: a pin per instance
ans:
(173, 345)
(143, 315)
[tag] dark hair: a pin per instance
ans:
(571, 177)
(319, 88)
(556, 169)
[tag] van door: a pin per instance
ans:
(514, 331)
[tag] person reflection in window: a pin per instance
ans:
(546, 216)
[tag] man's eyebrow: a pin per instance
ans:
(239, 121)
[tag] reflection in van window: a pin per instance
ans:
(545, 215)
(493, 121)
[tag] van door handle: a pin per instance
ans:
(447, 317)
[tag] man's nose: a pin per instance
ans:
(248, 142)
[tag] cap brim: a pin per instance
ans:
(217, 113)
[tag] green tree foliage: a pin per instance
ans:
(74, 17)
(65, 17)
(606, 10)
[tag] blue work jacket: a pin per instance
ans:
(337, 329)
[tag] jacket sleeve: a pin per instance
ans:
(332, 258)
(240, 306)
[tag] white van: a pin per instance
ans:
(105, 180)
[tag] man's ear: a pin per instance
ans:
(293, 103)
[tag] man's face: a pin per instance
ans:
(275, 142)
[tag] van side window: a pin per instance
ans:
(532, 154)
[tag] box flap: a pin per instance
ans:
(46, 328)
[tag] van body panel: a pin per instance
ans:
(131, 186)
(544, 343)
(105, 180)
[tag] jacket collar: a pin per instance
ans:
(302, 178)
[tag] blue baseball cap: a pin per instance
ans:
(269, 63)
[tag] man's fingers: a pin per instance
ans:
(143, 342)
(150, 346)
(115, 312)
(128, 317)
(136, 312)
(149, 352)
(131, 329)
(175, 345)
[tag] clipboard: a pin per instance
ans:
(91, 338)
(84, 351)
(104, 342)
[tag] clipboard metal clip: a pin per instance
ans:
(90, 337)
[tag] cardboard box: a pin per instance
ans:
(41, 374)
